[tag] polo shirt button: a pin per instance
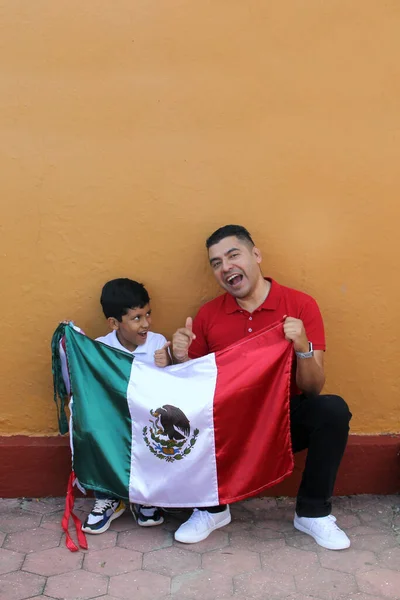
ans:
(250, 318)
(249, 330)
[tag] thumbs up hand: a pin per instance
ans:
(181, 341)
(162, 357)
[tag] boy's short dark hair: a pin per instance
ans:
(119, 295)
(227, 231)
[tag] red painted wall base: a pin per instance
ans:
(39, 466)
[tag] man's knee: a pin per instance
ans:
(332, 409)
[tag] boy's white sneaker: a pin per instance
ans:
(324, 531)
(200, 524)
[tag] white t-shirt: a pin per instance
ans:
(144, 352)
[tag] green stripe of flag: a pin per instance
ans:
(101, 418)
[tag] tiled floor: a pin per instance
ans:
(258, 556)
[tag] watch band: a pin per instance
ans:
(308, 354)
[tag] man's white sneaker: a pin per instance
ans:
(201, 523)
(324, 531)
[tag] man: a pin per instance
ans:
(318, 422)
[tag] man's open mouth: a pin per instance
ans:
(234, 280)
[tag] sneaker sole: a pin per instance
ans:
(150, 522)
(107, 525)
(320, 541)
(204, 536)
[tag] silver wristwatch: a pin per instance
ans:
(308, 354)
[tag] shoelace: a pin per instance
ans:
(101, 505)
(327, 524)
(198, 518)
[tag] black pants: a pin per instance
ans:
(321, 424)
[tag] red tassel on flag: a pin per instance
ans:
(69, 512)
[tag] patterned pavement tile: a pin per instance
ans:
(19, 585)
(258, 556)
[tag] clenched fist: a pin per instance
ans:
(294, 331)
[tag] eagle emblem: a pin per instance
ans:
(169, 434)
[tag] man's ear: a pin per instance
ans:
(257, 254)
(113, 323)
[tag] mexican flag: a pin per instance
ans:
(210, 431)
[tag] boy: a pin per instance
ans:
(126, 306)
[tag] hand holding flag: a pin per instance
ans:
(295, 332)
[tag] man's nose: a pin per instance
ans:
(226, 266)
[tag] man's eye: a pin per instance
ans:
(234, 255)
(215, 265)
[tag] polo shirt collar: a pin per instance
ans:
(142, 349)
(271, 302)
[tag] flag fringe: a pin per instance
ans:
(60, 391)
(69, 512)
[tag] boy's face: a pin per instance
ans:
(132, 330)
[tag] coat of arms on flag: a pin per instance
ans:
(171, 437)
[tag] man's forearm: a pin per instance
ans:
(310, 377)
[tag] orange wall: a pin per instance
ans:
(131, 129)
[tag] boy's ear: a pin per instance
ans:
(113, 323)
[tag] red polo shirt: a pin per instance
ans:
(221, 322)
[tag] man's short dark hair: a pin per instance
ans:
(227, 231)
(119, 295)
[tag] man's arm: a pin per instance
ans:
(310, 374)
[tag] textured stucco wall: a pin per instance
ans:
(131, 129)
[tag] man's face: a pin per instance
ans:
(236, 266)
(132, 329)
